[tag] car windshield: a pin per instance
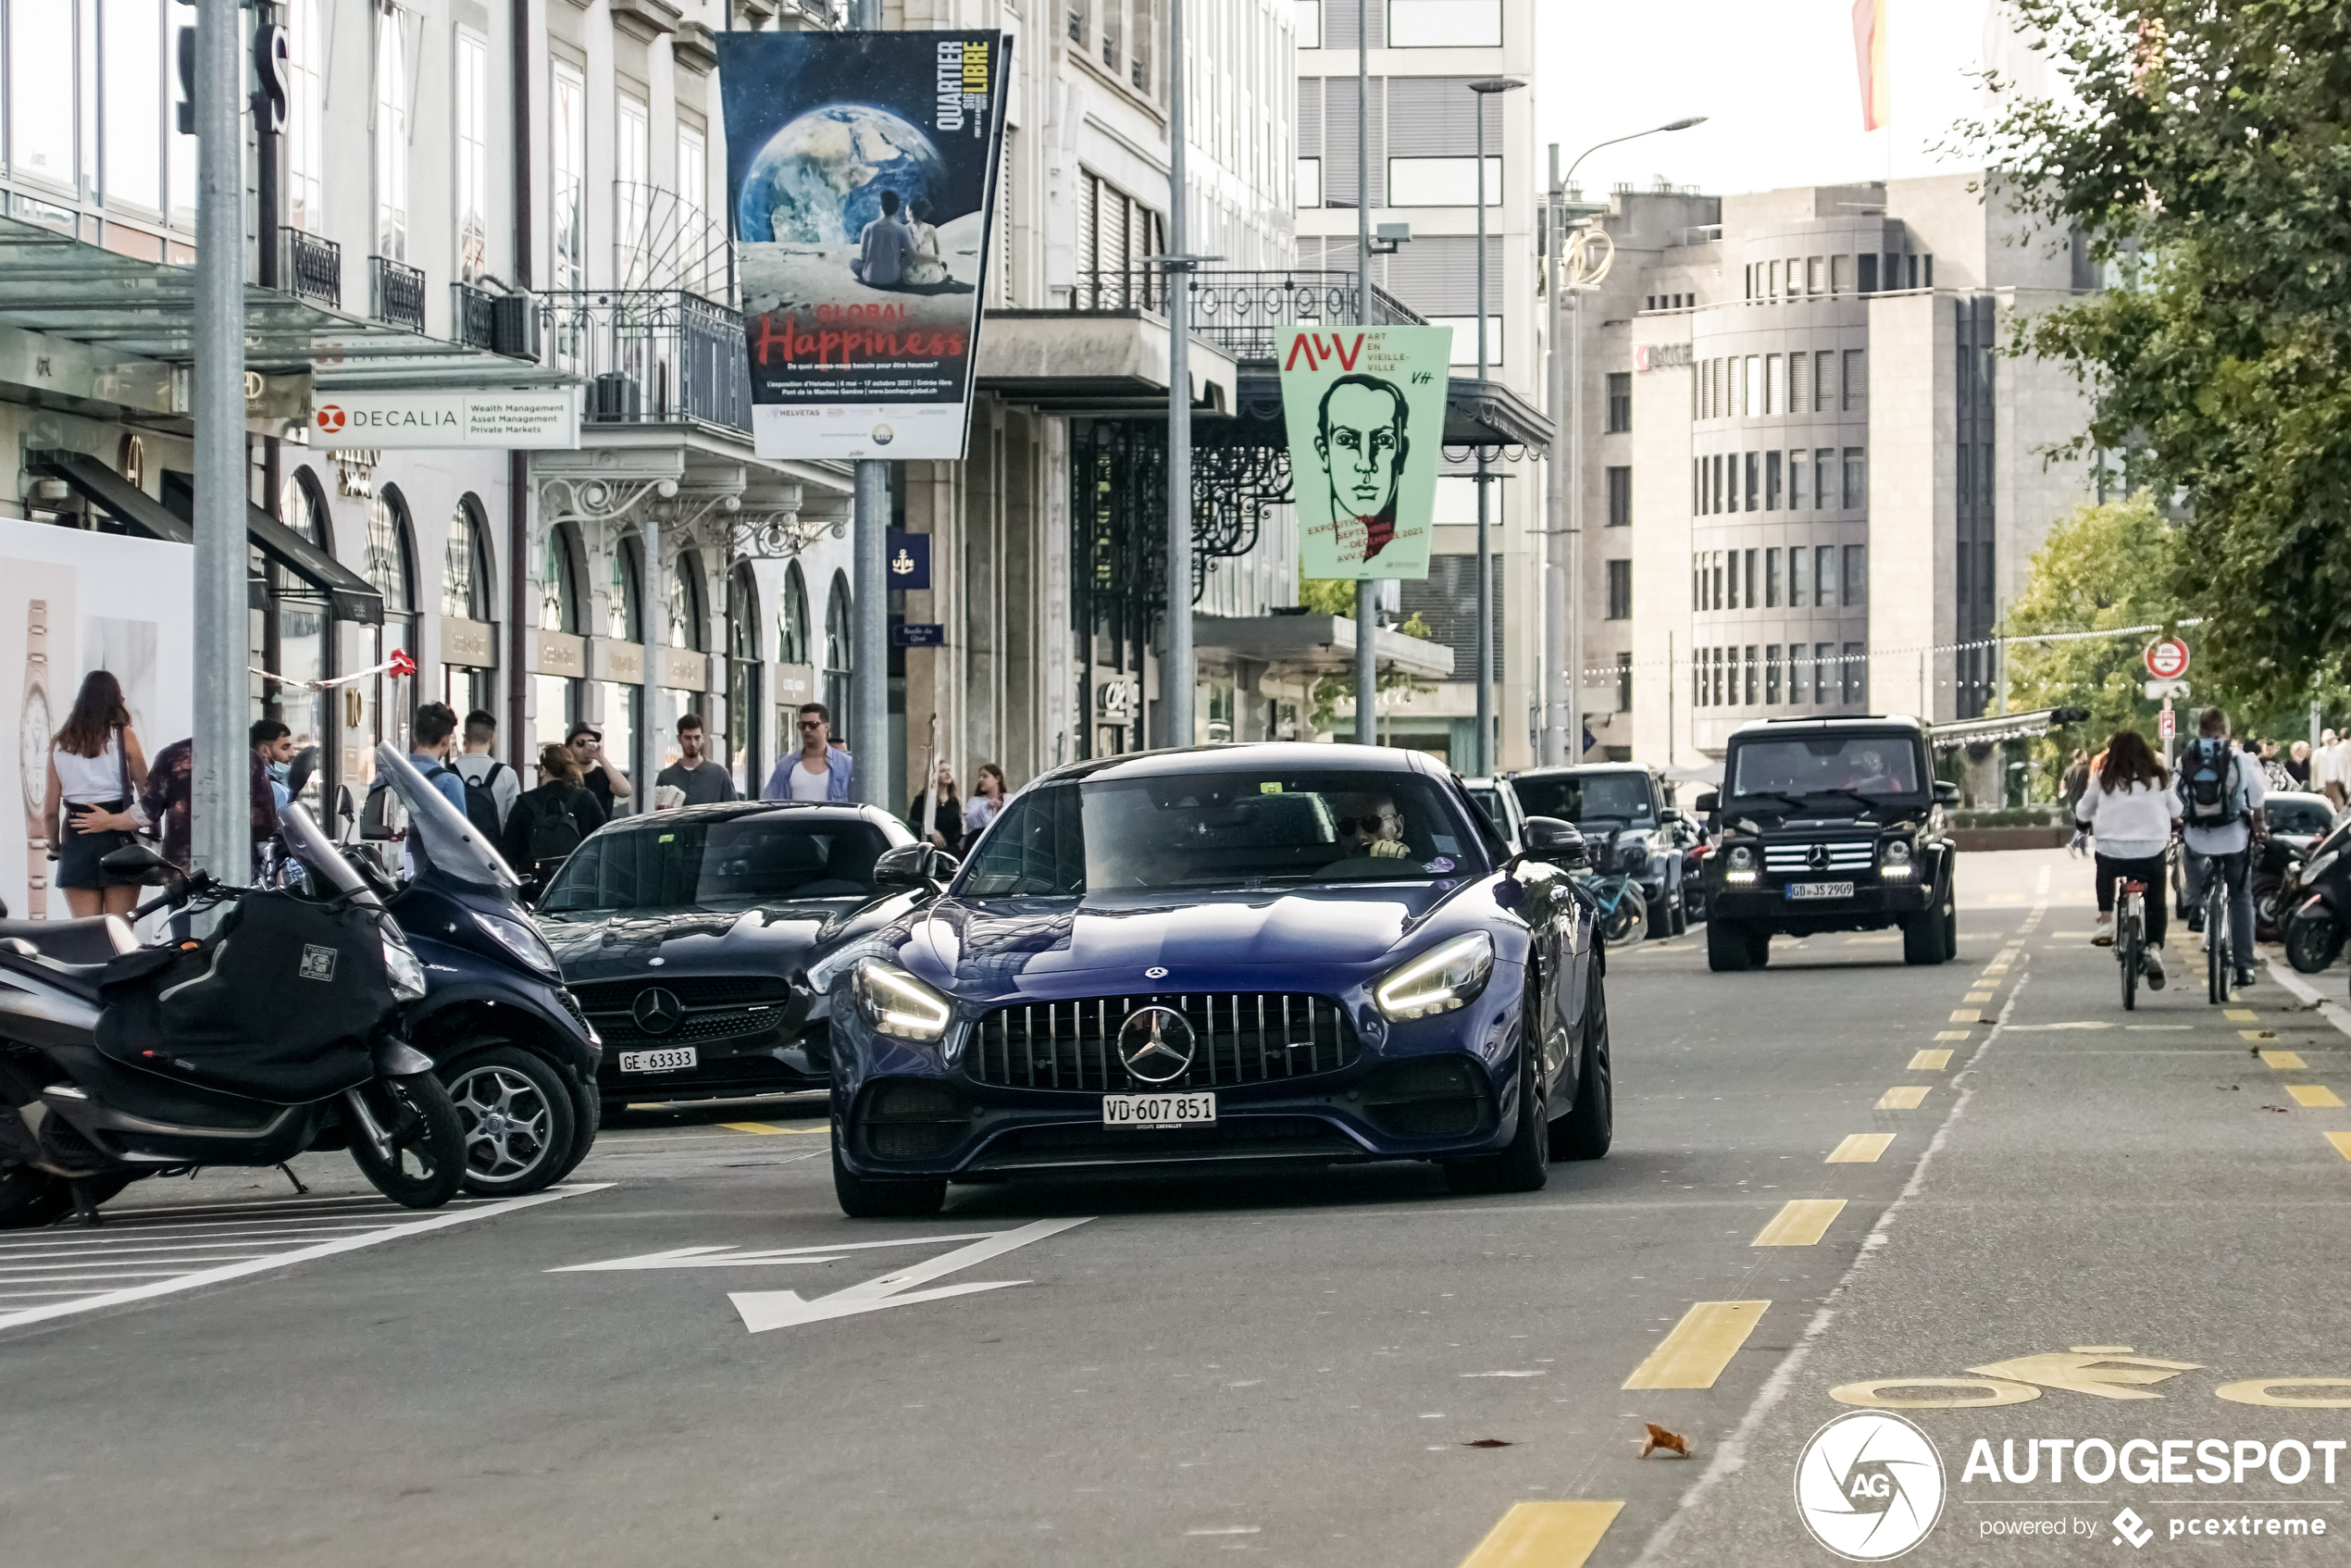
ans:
(1228, 829)
(1583, 797)
(439, 831)
(1489, 800)
(1821, 765)
(684, 864)
(2298, 815)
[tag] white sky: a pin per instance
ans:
(1777, 81)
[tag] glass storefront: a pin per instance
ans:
(745, 696)
(465, 596)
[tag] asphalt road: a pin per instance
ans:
(1347, 1369)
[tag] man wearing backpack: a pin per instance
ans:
(2221, 792)
(548, 823)
(491, 784)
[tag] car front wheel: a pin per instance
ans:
(520, 1117)
(1727, 949)
(1524, 1164)
(1589, 1125)
(862, 1198)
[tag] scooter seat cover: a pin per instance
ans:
(282, 1003)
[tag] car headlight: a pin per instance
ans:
(1740, 858)
(522, 940)
(896, 1003)
(1447, 977)
(407, 975)
(1898, 852)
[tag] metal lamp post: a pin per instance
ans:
(1482, 754)
(868, 713)
(1563, 591)
(220, 818)
(1367, 589)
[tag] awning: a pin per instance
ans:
(350, 597)
(2006, 727)
(122, 499)
(1316, 644)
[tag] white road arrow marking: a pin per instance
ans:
(763, 1310)
(730, 1257)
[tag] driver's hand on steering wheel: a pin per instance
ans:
(1386, 849)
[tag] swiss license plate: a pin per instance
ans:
(670, 1061)
(1819, 890)
(1158, 1109)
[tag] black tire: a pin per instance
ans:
(2215, 936)
(30, 1197)
(588, 1120)
(863, 1198)
(2312, 943)
(1923, 937)
(2130, 955)
(1524, 1163)
(1661, 917)
(406, 1138)
(518, 1113)
(1589, 1127)
(1627, 922)
(1759, 946)
(2269, 917)
(1951, 911)
(1727, 949)
(1682, 913)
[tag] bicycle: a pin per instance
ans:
(1624, 914)
(2129, 938)
(2216, 972)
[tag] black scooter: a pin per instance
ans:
(155, 1061)
(516, 1053)
(2315, 901)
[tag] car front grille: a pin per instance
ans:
(1238, 1037)
(715, 1007)
(1796, 859)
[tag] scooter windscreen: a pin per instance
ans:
(319, 855)
(437, 832)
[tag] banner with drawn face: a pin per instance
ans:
(1365, 411)
(861, 172)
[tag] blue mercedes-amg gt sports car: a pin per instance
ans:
(1221, 956)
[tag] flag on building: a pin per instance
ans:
(1869, 58)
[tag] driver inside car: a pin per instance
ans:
(1369, 824)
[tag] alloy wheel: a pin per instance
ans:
(509, 1126)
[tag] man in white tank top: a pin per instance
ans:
(820, 771)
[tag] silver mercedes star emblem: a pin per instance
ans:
(1156, 1044)
(1818, 858)
(1155, 973)
(657, 1011)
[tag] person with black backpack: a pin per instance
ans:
(491, 786)
(549, 822)
(2221, 789)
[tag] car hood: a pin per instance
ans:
(765, 937)
(1001, 944)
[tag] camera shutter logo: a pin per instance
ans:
(317, 963)
(1869, 1486)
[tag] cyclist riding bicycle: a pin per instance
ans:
(2221, 791)
(2129, 808)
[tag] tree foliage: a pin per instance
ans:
(2205, 152)
(2106, 566)
(1335, 596)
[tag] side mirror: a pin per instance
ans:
(913, 865)
(1946, 794)
(1553, 841)
(138, 859)
(1710, 803)
(1669, 817)
(305, 762)
(340, 828)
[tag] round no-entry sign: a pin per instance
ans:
(2167, 658)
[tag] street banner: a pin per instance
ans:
(1365, 411)
(861, 177)
(542, 420)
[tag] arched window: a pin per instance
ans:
(294, 640)
(839, 665)
(468, 654)
(687, 620)
(791, 618)
(624, 602)
(744, 667)
(391, 566)
(558, 583)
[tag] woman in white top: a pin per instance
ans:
(97, 770)
(2130, 809)
(988, 800)
(926, 266)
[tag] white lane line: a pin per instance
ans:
(2304, 992)
(226, 1272)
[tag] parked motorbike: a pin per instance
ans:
(2315, 899)
(279, 1033)
(518, 1055)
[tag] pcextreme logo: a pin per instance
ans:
(1869, 1486)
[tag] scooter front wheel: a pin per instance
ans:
(408, 1138)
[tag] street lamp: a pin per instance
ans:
(1563, 591)
(1483, 753)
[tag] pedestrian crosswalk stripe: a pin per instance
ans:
(1907, 1097)
(1860, 1149)
(2315, 1095)
(1930, 1060)
(1802, 1222)
(1966, 1015)
(2341, 1141)
(2240, 1015)
(1950, 1034)
(1544, 1534)
(1700, 1346)
(2290, 1059)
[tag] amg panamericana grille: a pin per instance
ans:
(1238, 1037)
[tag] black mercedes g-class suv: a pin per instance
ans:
(1829, 825)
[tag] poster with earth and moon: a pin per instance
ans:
(860, 177)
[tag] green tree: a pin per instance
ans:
(2104, 566)
(2205, 151)
(1335, 596)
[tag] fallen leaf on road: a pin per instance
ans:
(1486, 1443)
(1659, 1437)
(2279, 1109)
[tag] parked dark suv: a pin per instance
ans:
(1829, 825)
(1626, 814)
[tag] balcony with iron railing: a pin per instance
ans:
(311, 268)
(1239, 312)
(397, 293)
(649, 356)
(473, 315)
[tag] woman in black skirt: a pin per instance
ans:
(97, 770)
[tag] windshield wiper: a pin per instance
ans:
(1794, 802)
(1866, 803)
